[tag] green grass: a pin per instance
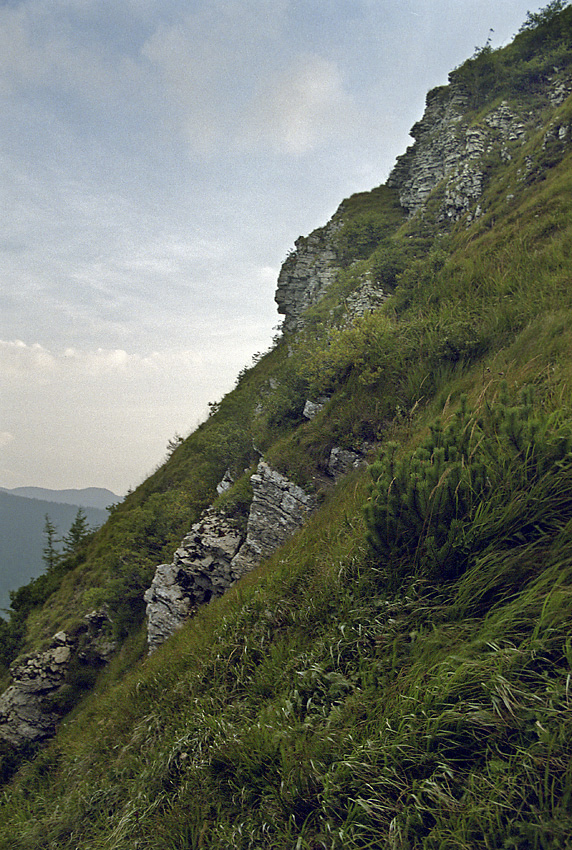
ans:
(341, 697)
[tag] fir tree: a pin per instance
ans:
(79, 530)
(50, 554)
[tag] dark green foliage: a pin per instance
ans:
(432, 510)
(540, 49)
(12, 633)
(77, 535)
(548, 15)
(361, 236)
(235, 502)
(369, 218)
(387, 262)
(80, 678)
(50, 554)
(36, 592)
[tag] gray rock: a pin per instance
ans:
(368, 296)
(225, 484)
(307, 274)
(28, 707)
(312, 408)
(201, 569)
(215, 554)
(342, 461)
(450, 152)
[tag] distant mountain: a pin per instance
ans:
(22, 521)
(89, 497)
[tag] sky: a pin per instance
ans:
(158, 159)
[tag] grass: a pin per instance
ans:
(309, 708)
(321, 703)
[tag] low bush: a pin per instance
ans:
(495, 474)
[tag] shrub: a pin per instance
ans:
(487, 475)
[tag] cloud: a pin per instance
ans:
(37, 363)
(103, 417)
(5, 438)
(17, 358)
(222, 69)
(40, 48)
(302, 107)
(202, 62)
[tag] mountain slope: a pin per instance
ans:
(397, 674)
(88, 497)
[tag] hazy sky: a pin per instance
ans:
(158, 160)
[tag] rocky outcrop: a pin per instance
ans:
(342, 461)
(25, 712)
(201, 568)
(452, 152)
(368, 296)
(215, 554)
(279, 507)
(307, 273)
(438, 140)
(312, 408)
(32, 705)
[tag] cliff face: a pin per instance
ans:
(307, 274)
(45, 684)
(215, 554)
(442, 176)
(455, 151)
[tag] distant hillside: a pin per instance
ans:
(22, 523)
(88, 497)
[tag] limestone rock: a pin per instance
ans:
(368, 296)
(29, 706)
(450, 152)
(307, 273)
(201, 569)
(342, 461)
(279, 507)
(97, 646)
(25, 712)
(215, 553)
(312, 408)
(225, 483)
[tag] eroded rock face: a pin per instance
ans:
(307, 273)
(368, 296)
(342, 461)
(450, 151)
(215, 553)
(201, 568)
(279, 507)
(437, 140)
(29, 708)
(25, 714)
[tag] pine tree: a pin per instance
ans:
(50, 554)
(422, 505)
(79, 530)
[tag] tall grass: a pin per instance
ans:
(340, 697)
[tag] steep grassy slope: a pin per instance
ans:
(398, 676)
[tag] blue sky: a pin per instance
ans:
(158, 160)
